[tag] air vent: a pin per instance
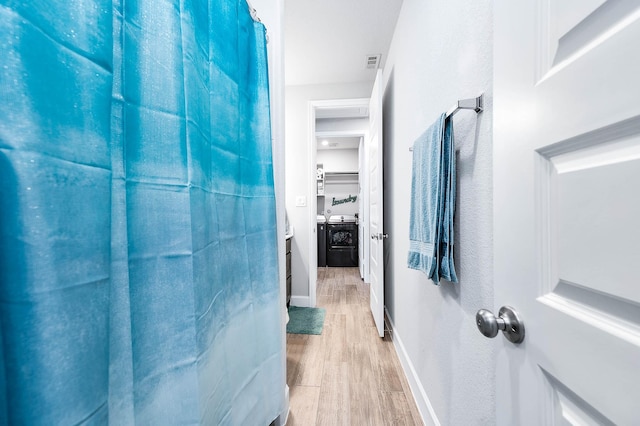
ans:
(373, 61)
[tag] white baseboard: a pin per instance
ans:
(300, 301)
(419, 394)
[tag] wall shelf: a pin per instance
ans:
(341, 177)
(320, 176)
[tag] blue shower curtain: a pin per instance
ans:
(138, 259)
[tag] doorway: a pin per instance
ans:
(343, 124)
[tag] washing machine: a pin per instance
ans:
(342, 241)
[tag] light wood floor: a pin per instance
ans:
(348, 375)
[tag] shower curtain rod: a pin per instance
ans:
(476, 104)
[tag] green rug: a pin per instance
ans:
(305, 320)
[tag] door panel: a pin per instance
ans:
(569, 29)
(582, 194)
(362, 261)
(566, 209)
(376, 259)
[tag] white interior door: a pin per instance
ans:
(362, 261)
(567, 209)
(376, 251)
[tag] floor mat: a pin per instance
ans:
(305, 320)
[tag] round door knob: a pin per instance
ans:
(487, 323)
(507, 321)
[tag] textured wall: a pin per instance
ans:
(441, 52)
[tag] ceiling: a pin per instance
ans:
(346, 142)
(328, 41)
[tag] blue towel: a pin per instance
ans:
(433, 203)
(446, 267)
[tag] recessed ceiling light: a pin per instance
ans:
(325, 142)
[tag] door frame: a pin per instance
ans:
(312, 143)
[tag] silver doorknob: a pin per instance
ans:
(508, 321)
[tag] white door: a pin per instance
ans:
(361, 208)
(376, 251)
(567, 210)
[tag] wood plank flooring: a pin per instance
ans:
(348, 375)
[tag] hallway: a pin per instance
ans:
(347, 375)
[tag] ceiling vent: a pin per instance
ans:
(373, 61)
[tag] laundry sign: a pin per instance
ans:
(350, 199)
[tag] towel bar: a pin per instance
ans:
(476, 104)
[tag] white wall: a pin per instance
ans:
(338, 160)
(442, 51)
(331, 204)
(299, 171)
(342, 124)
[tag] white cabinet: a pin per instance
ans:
(320, 179)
